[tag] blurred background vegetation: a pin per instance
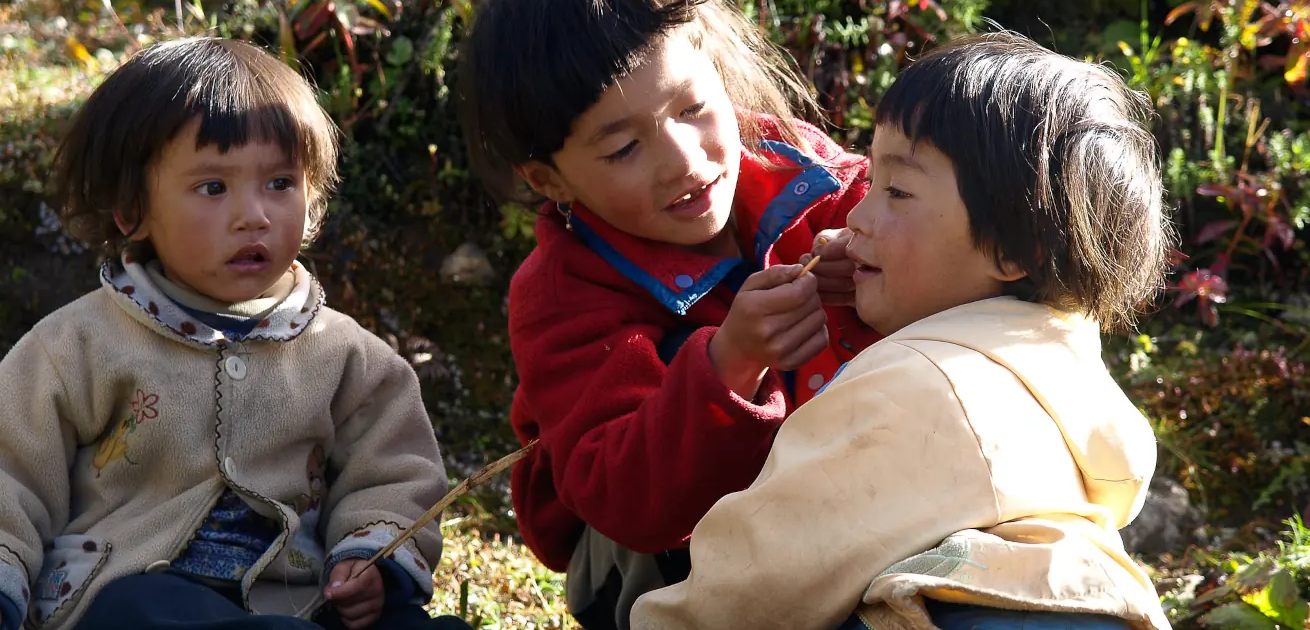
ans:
(414, 250)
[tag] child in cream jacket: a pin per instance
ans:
(972, 469)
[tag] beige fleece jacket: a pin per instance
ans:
(125, 419)
(981, 455)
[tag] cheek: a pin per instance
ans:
(724, 139)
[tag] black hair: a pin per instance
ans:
(1055, 164)
(238, 92)
(530, 68)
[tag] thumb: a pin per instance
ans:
(774, 276)
(338, 578)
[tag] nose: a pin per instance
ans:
(251, 213)
(860, 218)
(683, 151)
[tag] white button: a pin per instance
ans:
(816, 381)
(801, 188)
(229, 467)
(158, 566)
(235, 368)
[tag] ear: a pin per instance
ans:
(1007, 271)
(546, 181)
(135, 229)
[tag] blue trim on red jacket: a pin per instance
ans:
(677, 301)
(800, 193)
(811, 184)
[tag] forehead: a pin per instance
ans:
(672, 65)
(892, 149)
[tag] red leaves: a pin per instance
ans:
(1208, 288)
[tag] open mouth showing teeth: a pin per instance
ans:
(692, 196)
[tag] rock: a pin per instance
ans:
(1167, 521)
(467, 265)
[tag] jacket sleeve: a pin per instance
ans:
(881, 466)
(637, 449)
(385, 468)
(35, 453)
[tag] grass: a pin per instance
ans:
(494, 582)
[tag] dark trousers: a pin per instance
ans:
(163, 601)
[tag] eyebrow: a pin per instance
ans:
(904, 161)
(615, 126)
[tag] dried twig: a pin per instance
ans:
(475, 479)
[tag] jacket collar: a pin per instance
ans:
(679, 280)
(130, 286)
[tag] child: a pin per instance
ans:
(201, 438)
(660, 330)
(970, 470)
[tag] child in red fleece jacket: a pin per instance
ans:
(662, 328)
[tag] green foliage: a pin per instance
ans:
(1234, 424)
(1269, 590)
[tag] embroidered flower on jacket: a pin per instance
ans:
(143, 405)
(114, 447)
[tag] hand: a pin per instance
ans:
(835, 271)
(359, 600)
(776, 321)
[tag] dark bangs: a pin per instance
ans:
(239, 94)
(529, 69)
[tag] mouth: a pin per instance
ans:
(250, 257)
(862, 266)
(692, 196)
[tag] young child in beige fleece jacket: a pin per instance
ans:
(970, 471)
(201, 442)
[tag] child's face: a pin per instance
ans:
(227, 226)
(664, 132)
(911, 241)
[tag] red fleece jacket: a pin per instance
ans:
(636, 448)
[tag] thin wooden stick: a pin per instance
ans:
(808, 266)
(813, 261)
(478, 478)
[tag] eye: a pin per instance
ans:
(896, 193)
(211, 189)
(622, 153)
(694, 110)
(282, 184)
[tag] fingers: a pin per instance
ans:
(835, 246)
(346, 590)
(770, 278)
(358, 600)
(810, 349)
(361, 615)
(803, 341)
(831, 244)
(789, 296)
(835, 276)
